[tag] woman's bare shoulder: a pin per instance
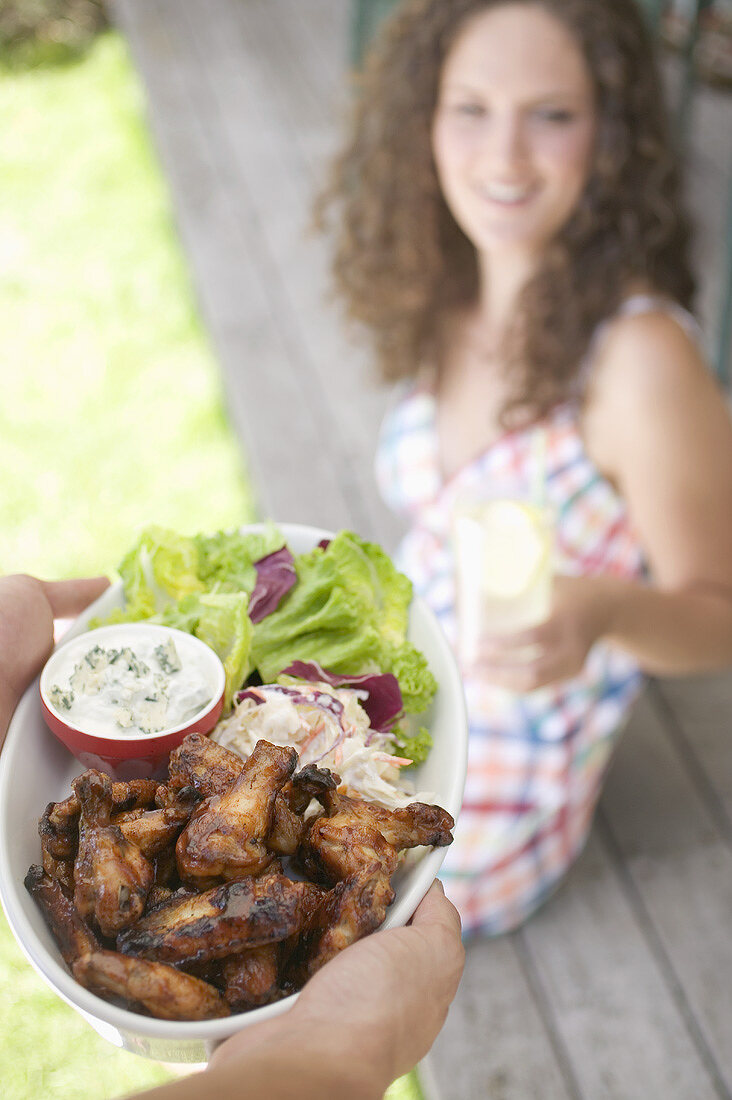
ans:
(648, 373)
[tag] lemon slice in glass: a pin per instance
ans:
(516, 546)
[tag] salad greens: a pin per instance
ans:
(349, 612)
(414, 747)
(347, 608)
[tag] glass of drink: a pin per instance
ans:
(504, 564)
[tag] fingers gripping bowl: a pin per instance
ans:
(35, 769)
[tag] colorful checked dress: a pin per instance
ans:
(536, 761)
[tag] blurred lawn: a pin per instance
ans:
(111, 417)
(111, 414)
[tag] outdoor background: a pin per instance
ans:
(111, 407)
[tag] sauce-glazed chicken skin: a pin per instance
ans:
(161, 990)
(58, 827)
(111, 875)
(153, 830)
(354, 834)
(218, 922)
(72, 934)
(203, 764)
(252, 977)
(225, 838)
(352, 909)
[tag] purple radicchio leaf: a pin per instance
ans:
(324, 544)
(383, 697)
(275, 576)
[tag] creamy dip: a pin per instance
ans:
(139, 688)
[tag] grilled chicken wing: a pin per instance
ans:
(111, 875)
(219, 922)
(226, 835)
(160, 989)
(287, 829)
(204, 765)
(212, 769)
(288, 824)
(71, 933)
(354, 834)
(154, 830)
(62, 870)
(251, 978)
(352, 909)
(59, 832)
(128, 794)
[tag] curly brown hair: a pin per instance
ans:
(401, 262)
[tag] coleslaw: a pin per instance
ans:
(328, 727)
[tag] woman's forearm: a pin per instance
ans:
(670, 632)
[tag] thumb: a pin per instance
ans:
(69, 598)
(435, 909)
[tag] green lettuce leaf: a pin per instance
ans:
(226, 559)
(162, 566)
(319, 620)
(201, 585)
(414, 746)
(371, 575)
(410, 667)
(349, 612)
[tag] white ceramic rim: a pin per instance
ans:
(61, 980)
(102, 632)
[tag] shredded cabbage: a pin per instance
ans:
(328, 727)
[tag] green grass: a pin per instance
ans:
(111, 417)
(111, 413)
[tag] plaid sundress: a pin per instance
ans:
(536, 761)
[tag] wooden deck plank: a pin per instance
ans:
(280, 418)
(700, 721)
(495, 1042)
(277, 178)
(679, 869)
(622, 1032)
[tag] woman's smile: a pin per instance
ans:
(508, 195)
(512, 151)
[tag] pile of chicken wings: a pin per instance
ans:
(172, 899)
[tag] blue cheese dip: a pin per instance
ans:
(143, 687)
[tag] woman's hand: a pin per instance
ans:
(28, 607)
(557, 649)
(376, 1008)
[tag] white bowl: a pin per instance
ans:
(36, 769)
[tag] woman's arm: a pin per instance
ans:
(657, 426)
(663, 434)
